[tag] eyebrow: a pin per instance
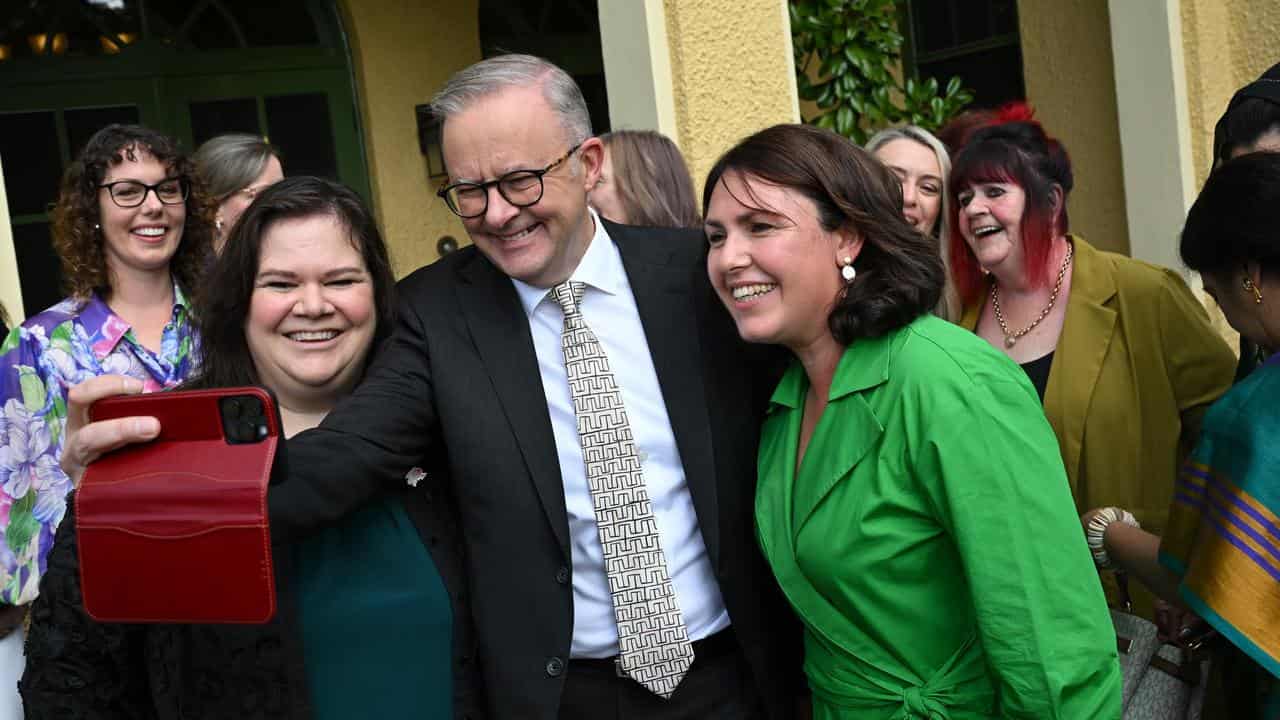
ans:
(290, 275)
(107, 180)
(516, 167)
(748, 214)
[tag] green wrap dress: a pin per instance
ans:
(929, 542)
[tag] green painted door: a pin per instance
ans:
(189, 69)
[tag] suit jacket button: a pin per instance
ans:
(562, 575)
(555, 667)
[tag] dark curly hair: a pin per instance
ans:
(79, 244)
(900, 273)
(225, 357)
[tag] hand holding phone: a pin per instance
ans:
(175, 530)
(86, 441)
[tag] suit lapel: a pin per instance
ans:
(664, 295)
(1086, 336)
(501, 333)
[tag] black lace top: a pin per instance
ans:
(1038, 371)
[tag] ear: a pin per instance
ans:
(591, 157)
(848, 244)
(1056, 201)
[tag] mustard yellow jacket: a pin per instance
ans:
(1135, 368)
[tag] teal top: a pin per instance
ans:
(929, 542)
(376, 623)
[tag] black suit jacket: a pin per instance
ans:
(458, 384)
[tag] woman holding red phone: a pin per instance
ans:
(367, 622)
(132, 231)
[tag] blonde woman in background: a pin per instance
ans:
(644, 181)
(921, 164)
(235, 168)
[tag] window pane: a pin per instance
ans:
(31, 160)
(1004, 17)
(38, 267)
(299, 125)
(275, 23)
(973, 22)
(995, 75)
(933, 25)
(84, 122)
(236, 23)
(216, 117)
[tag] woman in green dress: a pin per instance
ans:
(911, 498)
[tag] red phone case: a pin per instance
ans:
(175, 530)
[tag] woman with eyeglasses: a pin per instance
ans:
(235, 167)
(131, 228)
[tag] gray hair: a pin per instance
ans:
(228, 163)
(506, 71)
(949, 307)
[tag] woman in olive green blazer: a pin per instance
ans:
(1121, 351)
(911, 500)
(1135, 368)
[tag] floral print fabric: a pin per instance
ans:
(39, 361)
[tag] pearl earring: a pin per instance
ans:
(847, 271)
(96, 226)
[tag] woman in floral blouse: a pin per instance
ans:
(132, 229)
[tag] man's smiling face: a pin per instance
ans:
(515, 129)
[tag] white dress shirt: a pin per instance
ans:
(609, 308)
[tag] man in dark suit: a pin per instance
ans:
(597, 416)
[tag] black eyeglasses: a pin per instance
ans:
(521, 188)
(131, 193)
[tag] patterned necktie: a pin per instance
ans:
(653, 643)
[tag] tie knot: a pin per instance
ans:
(569, 295)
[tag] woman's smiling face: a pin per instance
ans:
(311, 317)
(773, 264)
(990, 221)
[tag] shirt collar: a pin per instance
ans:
(601, 268)
(863, 365)
(111, 328)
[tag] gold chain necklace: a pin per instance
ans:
(1012, 338)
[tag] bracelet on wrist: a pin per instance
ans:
(1095, 533)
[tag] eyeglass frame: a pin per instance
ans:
(147, 189)
(443, 192)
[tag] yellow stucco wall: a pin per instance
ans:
(402, 52)
(1070, 79)
(1226, 44)
(731, 71)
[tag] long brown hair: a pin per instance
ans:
(75, 216)
(652, 179)
(900, 273)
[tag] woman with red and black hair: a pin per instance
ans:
(1121, 352)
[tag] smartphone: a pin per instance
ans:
(175, 530)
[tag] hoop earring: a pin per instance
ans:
(1257, 294)
(847, 270)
